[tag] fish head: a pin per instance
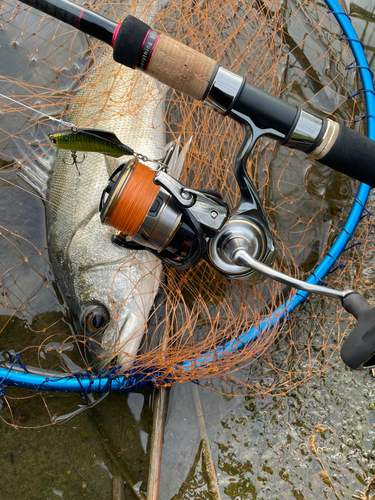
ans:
(114, 289)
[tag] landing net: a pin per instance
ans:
(296, 51)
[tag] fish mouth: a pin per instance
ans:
(116, 345)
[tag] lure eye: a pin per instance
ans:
(94, 319)
(52, 139)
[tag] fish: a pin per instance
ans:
(90, 139)
(108, 290)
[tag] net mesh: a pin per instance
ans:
(291, 49)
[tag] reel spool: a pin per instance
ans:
(138, 208)
(147, 216)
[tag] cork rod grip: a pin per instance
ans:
(137, 46)
(181, 67)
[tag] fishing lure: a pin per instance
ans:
(90, 140)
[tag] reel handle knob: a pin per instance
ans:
(358, 350)
(355, 304)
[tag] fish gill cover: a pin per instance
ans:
(291, 49)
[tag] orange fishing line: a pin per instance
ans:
(135, 201)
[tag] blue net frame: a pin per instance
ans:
(18, 375)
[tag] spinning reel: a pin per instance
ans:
(151, 210)
(180, 225)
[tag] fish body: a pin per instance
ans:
(108, 290)
(91, 271)
(90, 139)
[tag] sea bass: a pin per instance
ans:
(108, 290)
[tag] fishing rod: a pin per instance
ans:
(138, 46)
(182, 225)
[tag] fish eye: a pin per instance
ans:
(52, 139)
(94, 319)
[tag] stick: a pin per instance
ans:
(212, 478)
(157, 439)
(157, 435)
(118, 485)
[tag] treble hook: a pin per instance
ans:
(74, 157)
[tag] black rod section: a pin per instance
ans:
(89, 22)
(352, 154)
(264, 109)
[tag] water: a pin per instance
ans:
(315, 442)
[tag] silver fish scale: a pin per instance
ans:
(90, 269)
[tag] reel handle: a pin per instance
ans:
(358, 350)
